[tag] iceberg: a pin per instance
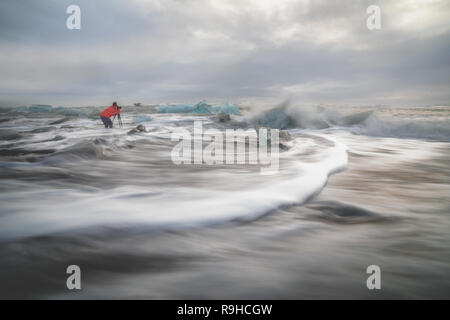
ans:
(275, 118)
(68, 111)
(177, 108)
(200, 108)
(227, 108)
(40, 108)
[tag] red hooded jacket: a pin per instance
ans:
(109, 112)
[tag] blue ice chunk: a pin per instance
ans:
(40, 108)
(228, 108)
(275, 118)
(202, 108)
(69, 111)
(177, 108)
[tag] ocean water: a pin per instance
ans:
(356, 186)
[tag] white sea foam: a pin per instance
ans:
(50, 210)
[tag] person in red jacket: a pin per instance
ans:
(108, 113)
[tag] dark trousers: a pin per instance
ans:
(107, 122)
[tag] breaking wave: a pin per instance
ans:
(365, 122)
(405, 129)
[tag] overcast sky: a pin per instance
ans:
(245, 51)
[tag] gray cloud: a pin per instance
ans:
(256, 50)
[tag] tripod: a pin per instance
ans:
(119, 119)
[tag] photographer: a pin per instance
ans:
(108, 113)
